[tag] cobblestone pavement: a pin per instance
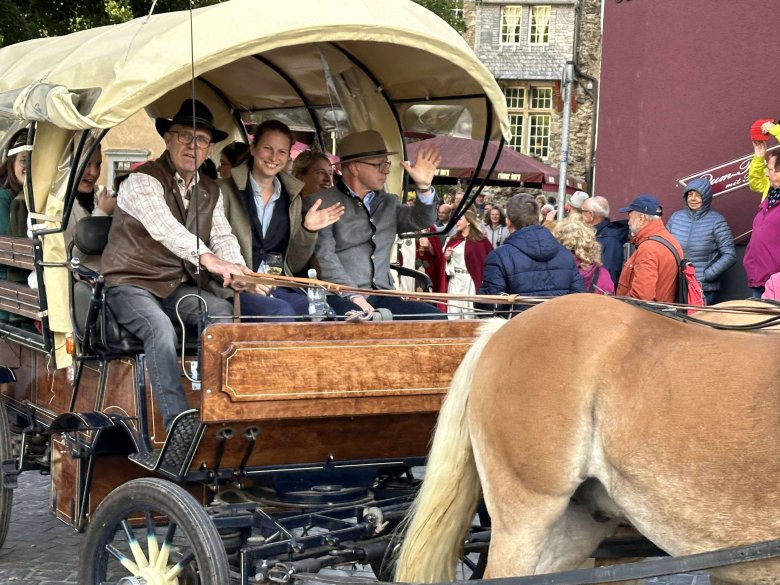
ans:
(41, 550)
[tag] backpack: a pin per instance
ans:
(689, 291)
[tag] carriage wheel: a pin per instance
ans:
(6, 454)
(470, 567)
(154, 530)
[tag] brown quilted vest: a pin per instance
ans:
(132, 257)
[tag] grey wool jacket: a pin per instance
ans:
(355, 251)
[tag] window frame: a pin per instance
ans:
(531, 20)
(544, 150)
(524, 113)
(503, 32)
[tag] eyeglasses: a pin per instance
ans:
(382, 167)
(188, 137)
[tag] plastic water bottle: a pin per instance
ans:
(319, 310)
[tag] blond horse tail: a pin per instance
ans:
(442, 511)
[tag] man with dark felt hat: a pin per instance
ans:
(169, 234)
(356, 250)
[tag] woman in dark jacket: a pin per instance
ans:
(705, 236)
(263, 205)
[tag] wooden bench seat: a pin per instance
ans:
(18, 298)
(17, 252)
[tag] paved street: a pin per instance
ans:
(42, 551)
(39, 550)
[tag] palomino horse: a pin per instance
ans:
(585, 410)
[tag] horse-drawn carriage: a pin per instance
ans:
(293, 418)
(301, 453)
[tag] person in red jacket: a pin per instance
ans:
(651, 272)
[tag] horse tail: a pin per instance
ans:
(442, 511)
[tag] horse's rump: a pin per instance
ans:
(678, 423)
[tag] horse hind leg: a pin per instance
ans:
(573, 538)
(558, 533)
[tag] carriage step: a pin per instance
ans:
(178, 447)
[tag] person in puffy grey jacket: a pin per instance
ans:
(704, 235)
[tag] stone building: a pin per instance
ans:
(526, 44)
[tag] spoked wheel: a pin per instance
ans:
(153, 530)
(471, 565)
(6, 454)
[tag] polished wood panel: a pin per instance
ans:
(289, 442)
(66, 477)
(312, 370)
(87, 392)
(22, 361)
(119, 396)
(54, 389)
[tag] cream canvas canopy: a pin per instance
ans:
(388, 65)
(411, 52)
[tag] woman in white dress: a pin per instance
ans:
(464, 254)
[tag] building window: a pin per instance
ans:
(539, 28)
(541, 98)
(539, 135)
(121, 160)
(516, 127)
(515, 97)
(530, 115)
(510, 24)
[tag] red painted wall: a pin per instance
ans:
(681, 83)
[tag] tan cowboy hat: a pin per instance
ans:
(362, 145)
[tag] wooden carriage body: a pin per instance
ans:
(285, 406)
(299, 408)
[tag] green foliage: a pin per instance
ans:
(21, 20)
(451, 11)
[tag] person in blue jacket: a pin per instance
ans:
(704, 235)
(612, 235)
(531, 261)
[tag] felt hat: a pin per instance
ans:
(362, 145)
(202, 119)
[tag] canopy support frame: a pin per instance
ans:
(299, 92)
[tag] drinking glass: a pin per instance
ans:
(275, 263)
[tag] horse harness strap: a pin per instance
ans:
(594, 280)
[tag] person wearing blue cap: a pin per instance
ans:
(651, 272)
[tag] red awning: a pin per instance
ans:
(460, 156)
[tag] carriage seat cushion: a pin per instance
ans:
(91, 237)
(91, 234)
(118, 340)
